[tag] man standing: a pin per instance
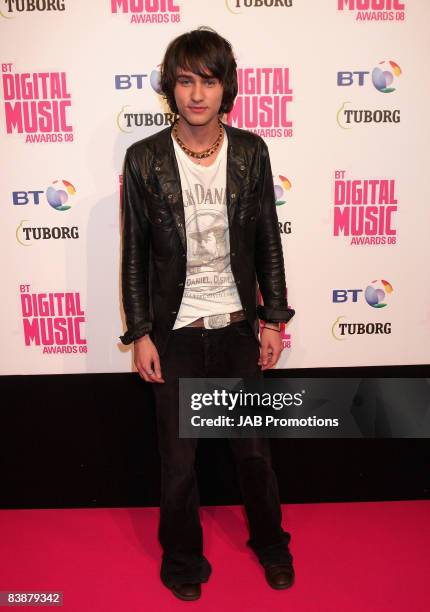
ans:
(199, 231)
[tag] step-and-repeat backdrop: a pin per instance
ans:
(337, 88)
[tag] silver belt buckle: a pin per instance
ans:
(216, 321)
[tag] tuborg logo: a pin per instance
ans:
(341, 330)
(30, 6)
(233, 5)
(27, 235)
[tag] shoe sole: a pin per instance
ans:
(280, 587)
(184, 597)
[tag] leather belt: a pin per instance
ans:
(218, 321)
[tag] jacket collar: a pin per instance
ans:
(166, 168)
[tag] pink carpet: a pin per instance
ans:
(364, 557)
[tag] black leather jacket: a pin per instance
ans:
(154, 253)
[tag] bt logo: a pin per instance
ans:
(376, 294)
(136, 81)
(57, 195)
(383, 76)
(281, 189)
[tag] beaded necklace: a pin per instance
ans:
(198, 154)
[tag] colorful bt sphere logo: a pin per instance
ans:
(154, 79)
(377, 292)
(383, 75)
(280, 190)
(58, 194)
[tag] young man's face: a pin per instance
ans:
(198, 99)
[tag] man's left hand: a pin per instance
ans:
(271, 348)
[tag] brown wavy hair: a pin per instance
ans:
(200, 51)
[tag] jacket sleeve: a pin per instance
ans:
(135, 265)
(269, 260)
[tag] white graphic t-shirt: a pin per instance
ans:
(209, 287)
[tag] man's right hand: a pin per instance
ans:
(146, 360)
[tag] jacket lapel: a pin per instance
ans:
(166, 168)
(236, 171)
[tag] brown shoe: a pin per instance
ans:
(280, 576)
(187, 592)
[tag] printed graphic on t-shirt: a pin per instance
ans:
(208, 269)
